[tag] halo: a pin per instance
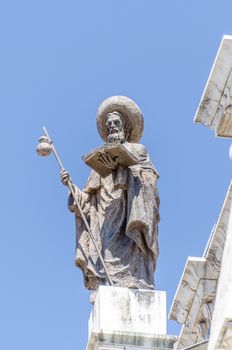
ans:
(130, 111)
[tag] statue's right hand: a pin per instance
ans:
(65, 177)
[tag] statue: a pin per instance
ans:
(122, 208)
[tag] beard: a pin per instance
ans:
(117, 137)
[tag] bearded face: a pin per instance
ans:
(115, 127)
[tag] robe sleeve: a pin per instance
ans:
(83, 199)
(143, 206)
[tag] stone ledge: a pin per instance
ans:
(199, 346)
(130, 340)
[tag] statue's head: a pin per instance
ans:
(119, 119)
(116, 127)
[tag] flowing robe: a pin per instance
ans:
(123, 213)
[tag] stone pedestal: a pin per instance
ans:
(124, 319)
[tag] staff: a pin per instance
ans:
(44, 148)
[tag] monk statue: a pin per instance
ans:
(122, 208)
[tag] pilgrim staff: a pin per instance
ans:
(45, 148)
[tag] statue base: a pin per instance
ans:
(130, 319)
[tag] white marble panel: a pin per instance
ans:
(129, 310)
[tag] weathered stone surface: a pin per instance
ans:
(132, 341)
(221, 328)
(129, 318)
(194, 301)
(122, 208)
(215, 108)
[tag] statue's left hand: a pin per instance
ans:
(108, 161)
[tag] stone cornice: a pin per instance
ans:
(215, 108)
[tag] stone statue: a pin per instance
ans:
(122, 208)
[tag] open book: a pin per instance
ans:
(115, 150)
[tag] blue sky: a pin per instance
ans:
(59, 60)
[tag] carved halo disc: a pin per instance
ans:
(130, 111)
